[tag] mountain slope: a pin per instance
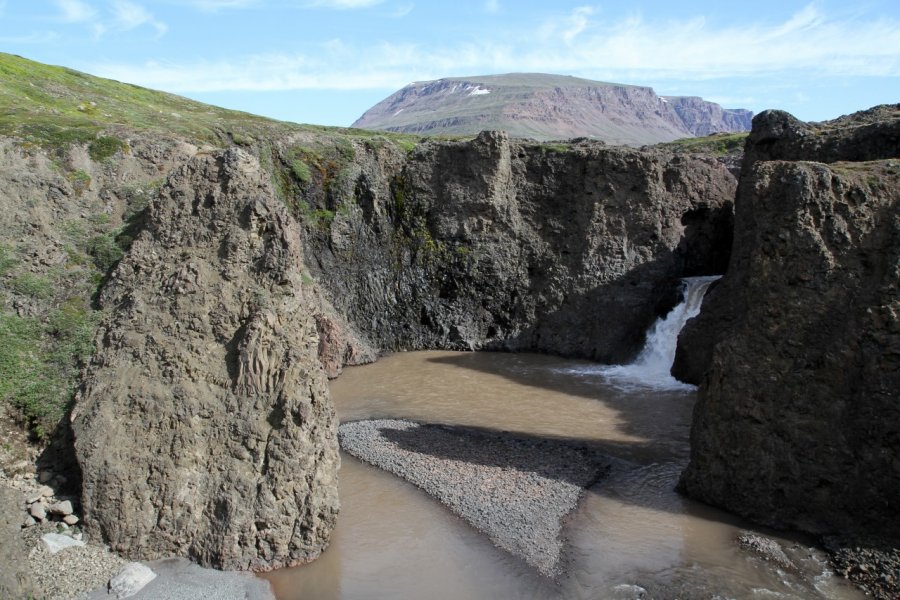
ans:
(549, 107)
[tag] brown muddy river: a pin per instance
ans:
(631, 529)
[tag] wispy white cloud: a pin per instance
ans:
(215, 5)
(577, 42)
(403, 10)
(492, 6)
(75, 11)
(343, 4)
(122, 15)
(128, 15)
(566, 27)
(78, 12)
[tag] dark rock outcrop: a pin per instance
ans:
(203, 427)
(798, 349)
(497, 244)
(869, 135)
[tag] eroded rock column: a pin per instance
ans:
(204, 428)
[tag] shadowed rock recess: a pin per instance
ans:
(798, 348)
(204, 427)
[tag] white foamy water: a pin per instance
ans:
(651, 369)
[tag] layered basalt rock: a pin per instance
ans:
(203, 426)
(798, 419)
(496, 244)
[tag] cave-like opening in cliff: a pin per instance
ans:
(705, 246)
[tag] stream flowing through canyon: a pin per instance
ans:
(632, 535)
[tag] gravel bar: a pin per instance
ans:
(516, 489)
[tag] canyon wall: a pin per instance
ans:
(202, 426)
(798, 348)
(496, 244)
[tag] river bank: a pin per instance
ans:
(51, 560)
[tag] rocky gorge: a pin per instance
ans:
(796, 351)
(255, 262)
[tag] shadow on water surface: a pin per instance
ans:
(660, 419)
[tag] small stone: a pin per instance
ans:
(63, 526)
(28, 522)
(70, 519)
(130, 580)
(45, 476)
(77, 536)
(62, 508)
(34, 498)
(55, 542)
(37, 511)
(46, 491)
(629, 592)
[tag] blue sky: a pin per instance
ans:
(327, 61)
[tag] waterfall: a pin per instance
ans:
(653, 365)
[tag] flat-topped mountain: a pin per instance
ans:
(547, 107)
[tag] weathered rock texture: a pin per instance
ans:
(203, 427)
(549, 107)
(798, 348)
(496, 244)
(15, 579)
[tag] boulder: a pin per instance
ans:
(130, 580)
(55, 542)
(62, 509)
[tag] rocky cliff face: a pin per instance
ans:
(797, 348)
(703, 118)
(204, 427)
(549, 107)
(501, 245)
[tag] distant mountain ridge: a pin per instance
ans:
(550, 107)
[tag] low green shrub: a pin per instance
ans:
(34, 286)
(105, 251)
(80, 180)
(40, 360)
(7, 259)
(105, 147)
(301, 171)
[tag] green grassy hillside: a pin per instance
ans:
(55, 106)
